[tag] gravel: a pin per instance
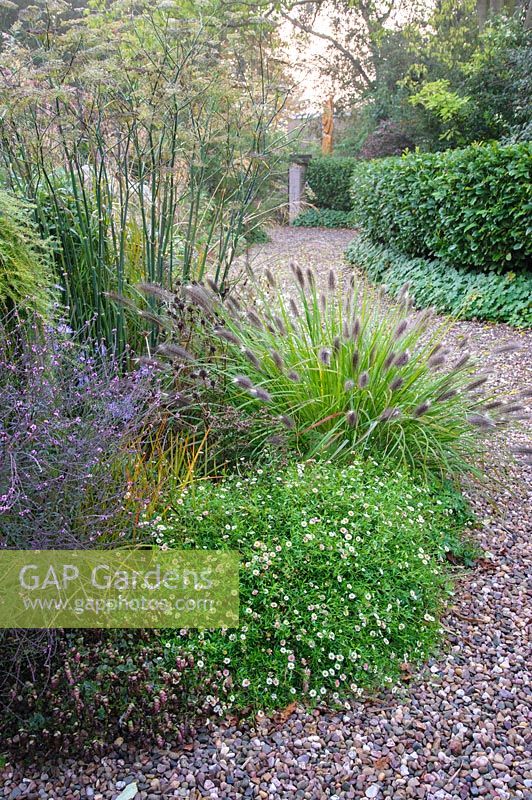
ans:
(458, 729)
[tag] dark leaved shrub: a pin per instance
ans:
(388, 139)
(99, 685)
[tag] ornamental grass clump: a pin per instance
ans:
(338, 370)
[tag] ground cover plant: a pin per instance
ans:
(464, 293)
(323, 218)
(100, 685)
(344, 573)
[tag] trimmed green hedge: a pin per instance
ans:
(470, 207)
(324, 218)
(453, 290)
(329, 178)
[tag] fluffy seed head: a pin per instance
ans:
(277, 360)
(396, 383)
(199, 296)
(389, 413)
(355, 358)
(402, 359)
(446, 395)
(363, 380)
(356, 329)
(288, 422)
(252, 358)
(175, 351)
(351, 418)
(243, 382)
(476, 383)
(293, 306)
(229, 336)
(481, 421)
(511, 347)
(349, 384)
(254, 318)
(270, 278)
(280, 325)
(325, 356)
(422, 408)
(261, 394)
(332, 280)
(436, 360)
(400, 329)
(388, 361)
(512, 408)
(294, 376)
(462, 361)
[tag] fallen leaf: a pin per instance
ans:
(286, 712)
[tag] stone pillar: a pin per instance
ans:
(296, 184)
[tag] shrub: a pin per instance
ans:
(342, 577)
(329, 179)
(323, 218)
(66, 420)
(388, 139)
(469, 207)
(452, 290)
(25, 275)
(337, 371)
(100, 685)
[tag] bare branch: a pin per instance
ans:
(355, 62)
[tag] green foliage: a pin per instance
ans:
(448, 106)
(25, 274)
(99, 685)
(343, 574)
(469, 207)
(144, 156)
(329, 179)
(452, 290)
(323, 218)
(334, 371)
(446, 80)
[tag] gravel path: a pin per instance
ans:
(459, 729)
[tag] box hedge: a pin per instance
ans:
(329, 178)
(470, 207)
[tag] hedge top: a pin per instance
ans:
(470, 207)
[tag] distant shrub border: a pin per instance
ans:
(469, 207)
(329, 179)
(324, 218)
(452, 290)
